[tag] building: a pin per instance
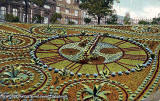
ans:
(17, 9)
(70, 11)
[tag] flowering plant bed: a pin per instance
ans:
(115, 63)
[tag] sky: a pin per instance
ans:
(138, 8)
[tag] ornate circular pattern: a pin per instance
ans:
(21, 76)
(47, 30)
(106, 52)
(17, 42)
(119, 90)
(100, 53)
(145, 29)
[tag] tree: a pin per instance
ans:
(97, 8)
(87, 20)
(113, 19)
(156, 21)
(126, 19)
(11, 18)
(54, 17)
(143, 22)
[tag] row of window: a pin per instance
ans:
(3, 12)
(15, 13)
(67, 11)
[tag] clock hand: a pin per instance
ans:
(91, 46)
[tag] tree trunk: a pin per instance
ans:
(26, 10)
(99, 20)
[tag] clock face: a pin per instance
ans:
(68, 1)
(91, 54)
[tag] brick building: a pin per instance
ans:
(70, 11)
(17, 9)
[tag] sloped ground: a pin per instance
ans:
(42, 69)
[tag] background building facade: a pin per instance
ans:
(70, 11)
(17, 8)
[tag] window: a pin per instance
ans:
(47, 7)
(66, 20)
(2, 12)
(35, 5)
(15, 12)
(67, 11)
(45, 20)
(76, 13)
(68, 1)
(75, 21)
(58, 9)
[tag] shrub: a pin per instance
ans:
(54, 17)
(71, 22)
(87, 20)
(11, 18)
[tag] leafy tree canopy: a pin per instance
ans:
(113, 19)
(97, 8)
(87, 20)
(55, 16)
(127, 18)
(156, 21)
(143, 22)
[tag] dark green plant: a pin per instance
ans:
(152, 56)
(38, 18)
(95, 93)
(12, 75)
(57, 80)
(104, 74)
(64, 73)
(11, 18)
(71, 22)
(97, 8)
(112, 20)
(142, 22)
(87, 20)
(54, 17)
(156, 21)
